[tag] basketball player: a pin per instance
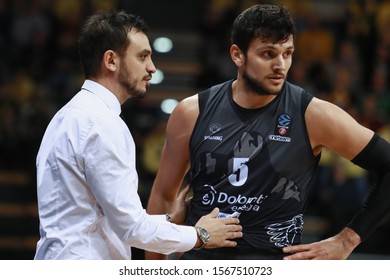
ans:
(251, 146)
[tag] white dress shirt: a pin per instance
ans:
(87, 184)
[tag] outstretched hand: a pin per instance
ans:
(222, 230)
(338, 247)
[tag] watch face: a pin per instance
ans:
(204, 235)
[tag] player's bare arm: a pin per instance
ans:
(174, 157)
(174, 161)
(331, 127)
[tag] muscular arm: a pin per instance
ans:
(330, 126)
(174, 160)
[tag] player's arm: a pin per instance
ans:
(330, 126)
(174, 161)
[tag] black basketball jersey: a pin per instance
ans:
(253, 163)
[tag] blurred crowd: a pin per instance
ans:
(344, 58)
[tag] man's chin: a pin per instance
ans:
(275, 90)
(139, 94)
(270, 91)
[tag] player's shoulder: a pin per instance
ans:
(321, 106)
(185, 113)
(187, 104)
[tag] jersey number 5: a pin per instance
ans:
(240, 172)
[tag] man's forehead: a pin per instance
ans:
(138, 40)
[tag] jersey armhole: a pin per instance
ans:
(202, 99)
(305, 100)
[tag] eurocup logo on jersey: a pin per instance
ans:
(282, 129)
(283, 125)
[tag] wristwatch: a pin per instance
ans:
(204, 236)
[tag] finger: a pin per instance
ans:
(188, 201)
(234, 228)
(228, 221)
(292, 257)
(299, 256)
(184, 192)
(288, 249)
(229, 243)
(298, 252)
(296, 248)
(214, 213)
(186, 189)
(234, 234)
(224, 243)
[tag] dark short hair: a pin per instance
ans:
(106, 30)
(264, 21)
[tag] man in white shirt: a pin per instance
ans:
(87, 181)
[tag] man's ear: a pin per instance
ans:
(236, 55)
(110, 60)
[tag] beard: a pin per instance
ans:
(258, 87)
(128, 83)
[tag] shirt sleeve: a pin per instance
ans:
(109, 162)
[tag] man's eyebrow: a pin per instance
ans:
(273, 47)
(145, 51)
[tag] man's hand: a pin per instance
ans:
(338, 247)
(180, 207)
(221, 230)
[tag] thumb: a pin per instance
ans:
(184, 192)
(214, 213)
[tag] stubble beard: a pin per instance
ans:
(259, 87)
(128, 83)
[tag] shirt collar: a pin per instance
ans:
(104, 94)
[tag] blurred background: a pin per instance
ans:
(342, 55)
